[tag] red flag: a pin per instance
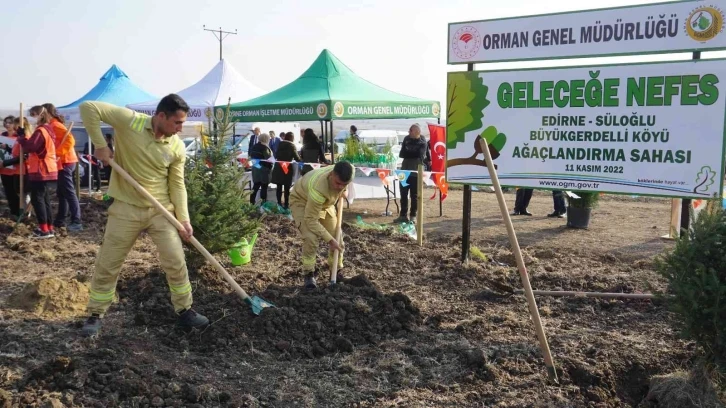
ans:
(382, 174)
(440, 180)
(438, 147)
(284, 167)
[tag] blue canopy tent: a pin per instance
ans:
(114, 87)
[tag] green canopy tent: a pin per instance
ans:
(328, 91)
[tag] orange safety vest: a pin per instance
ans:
(13, 170)
(16, 153)
(65, 151)
(47, 167)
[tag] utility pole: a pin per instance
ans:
(221, 35)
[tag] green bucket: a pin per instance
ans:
(241, 252)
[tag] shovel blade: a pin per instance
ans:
(258, 304)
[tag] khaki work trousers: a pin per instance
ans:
(311, 241)
(125, 223)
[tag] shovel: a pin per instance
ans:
(256, 303)
(339, 238)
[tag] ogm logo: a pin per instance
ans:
(466, 42)
(322, 110)
(704, 23)
(338, 109)
(219, 113)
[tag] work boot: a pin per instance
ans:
(310, 281)
(400, 220)
(92, 326)
(192, 320)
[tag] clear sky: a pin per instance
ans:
(55, 51)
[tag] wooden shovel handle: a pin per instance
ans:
(68, 132)
(339, 238)
(180, 227)
(533, 311)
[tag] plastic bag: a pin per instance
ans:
(409, 229)
(268, 207)
(362, 224)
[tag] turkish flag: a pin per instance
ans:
(438, 147)
(383, 175)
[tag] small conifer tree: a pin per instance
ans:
(696, 274)
(219, 207)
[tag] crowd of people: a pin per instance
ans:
(415, 150)
(49, 160)
(263, 146)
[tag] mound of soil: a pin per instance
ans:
(52, 297)
(303, 324)
(354, 312)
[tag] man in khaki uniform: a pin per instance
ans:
(148, 148)
(312, 203)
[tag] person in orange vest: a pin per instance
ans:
(65, 145)
(14, 163)
(10, 176)
(42, 168)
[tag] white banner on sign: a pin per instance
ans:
(646, 129)
(679, 26)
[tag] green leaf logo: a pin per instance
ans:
(704, 179)
(466, 100)
(495, 140)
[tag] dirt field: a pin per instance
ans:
(409, 326)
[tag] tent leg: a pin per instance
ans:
(332, 143)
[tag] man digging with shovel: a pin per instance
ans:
(312, 203)
(149, 150)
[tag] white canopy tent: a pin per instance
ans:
(220, 84)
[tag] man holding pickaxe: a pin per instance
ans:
(312, 203)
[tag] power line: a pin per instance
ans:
(221, 35)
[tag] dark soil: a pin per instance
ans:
(409, 326)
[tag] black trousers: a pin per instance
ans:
(410, 190)
(40, 198)
(279, 194)
(262, 188)
(558, 198)
(11, 185)
(96, 177)
(524, 195)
